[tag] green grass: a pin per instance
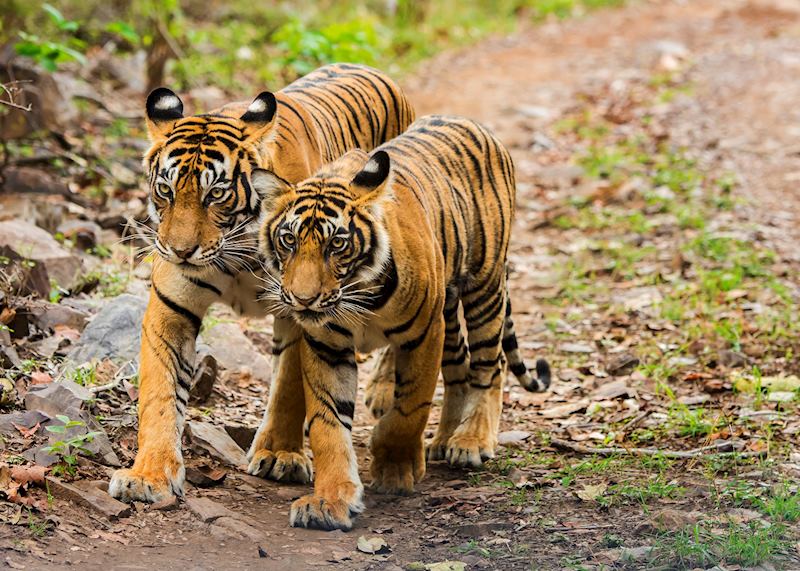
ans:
(241, 44)
(705, 545)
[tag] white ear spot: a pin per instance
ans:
(372, 167)
(257, 106)
(168, 102)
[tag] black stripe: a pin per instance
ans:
(345, 408)
(193, 319)
(205, 285)
(518, 368)
(330, 355)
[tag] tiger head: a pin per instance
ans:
(324, 240)
(199, 172)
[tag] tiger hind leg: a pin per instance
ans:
(455, 371)
(475, 438)
(379, 396)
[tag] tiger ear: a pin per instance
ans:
(260, 115)
(269, 186)
(163, 108)
(370, 182)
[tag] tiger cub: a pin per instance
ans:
(203, 198)
(380, 250)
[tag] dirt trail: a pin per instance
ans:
(745, 57)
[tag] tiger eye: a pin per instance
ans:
(338, 243)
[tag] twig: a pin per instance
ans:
(718, 449)
(118, 378)
(15, 106)
(10, 89)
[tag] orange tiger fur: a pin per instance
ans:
(200, 169)
(381, 251)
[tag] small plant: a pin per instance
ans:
(84, 375)
(69, 449)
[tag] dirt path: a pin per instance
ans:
(737, 111)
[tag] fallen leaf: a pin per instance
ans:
(373, 545)
(446, 566)
(27, 432)
(40, 378)
(591, 492)
(29, 474)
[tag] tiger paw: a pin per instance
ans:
(437, 448)
(395, 470)
(468, 451)
(379, 396)
(131, 485)
(282, 466)
(317, 512)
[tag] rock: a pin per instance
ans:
(636, 553)
(235, 352)
(235, 527)
(64, 397)
(204, 476)
(558, 176)
(483, 529)
(33, 243)
(205, 374)
(83, 233)
(22, 277)
(9, 358)
(622, 364)
(732, 359)
(208, 510)
(372, 545)
(166, 505)
(781, 396)
(671, 519)
(30, 180)
(48, 316)
(40, 457)
(86, 494)
(564, 410)
(534, 111)
(613, 390)
(513, 437)
(114, 333)
(26, 419)
(215, 442)
(576, 348)
(242, 435)
(693, 400)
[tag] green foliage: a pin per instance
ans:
(68, 450)
(701, 546)
(305, 49)
(49, 53)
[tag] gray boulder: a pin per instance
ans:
(115, 333)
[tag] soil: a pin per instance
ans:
(742, 60)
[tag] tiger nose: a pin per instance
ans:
(307, 301)
(186, 253)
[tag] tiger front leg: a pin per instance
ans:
(169, 329)
(330, 383)
(276, 452)
(398, 452)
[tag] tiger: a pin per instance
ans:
(206, 207)
(382, 250)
